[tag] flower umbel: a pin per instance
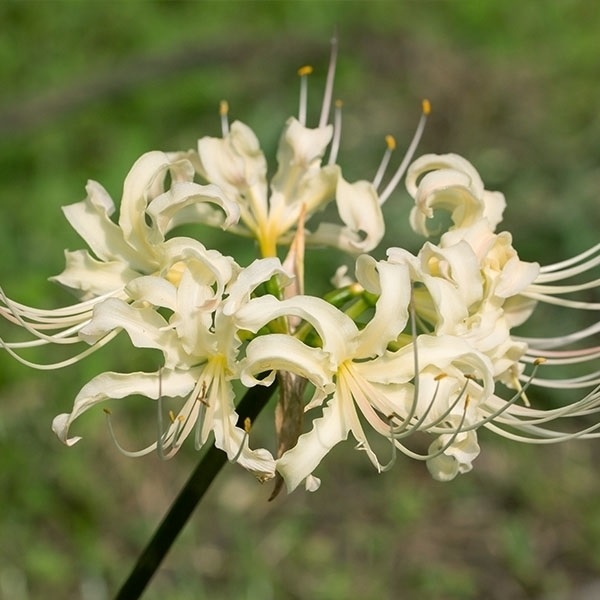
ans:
(418, 346)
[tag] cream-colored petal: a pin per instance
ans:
(299, 462)
(237, 165)
(144, 182)
(391, 283)
(177, 206)
(455, 459)
(337, 331)
(153, 290)
(300, 151)
(360, 210)
(90, 278)
(280, 352)
(145, 327)
(258, 272)
(91, 220)
(120, 385)
(229, 437)
(434, 162)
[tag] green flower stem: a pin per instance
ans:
(210, 464)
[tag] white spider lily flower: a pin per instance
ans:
(123, 251)
(304, 183)
(339, 367)
(200, 345)
(511, 286)
(133, 246)
(237, 165)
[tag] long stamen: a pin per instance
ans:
(588, 405)
(60, 364)
(562, 340)
(63, 337)
(247, 427)
(569, 357)
(392, 460)
(519, 395)
(546, 270)
(201, 398)
(337, 133)
(129, 453)
(391, 186)
(413, 333)
(327, 96)
(401, 431)
(303, 72)
(444, 431)
(390, 143)
(463, 392)
(224, 114)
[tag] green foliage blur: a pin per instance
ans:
(87, 87)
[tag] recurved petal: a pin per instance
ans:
(456, 264)
(153, 290)
(234, 440)
(186, 203)
(336, 330)
(91, 220)
(299, 462)
(145, 327)
(143, 183)
(515, 277)
(360, 210)
(259, 271)
(280, 352)
(447, 190)
(300, 149)
(434, 162)
(391, 283)
(90, 278)
(120, 385)
(234, 162)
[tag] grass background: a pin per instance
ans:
(88, 87)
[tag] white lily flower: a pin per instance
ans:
(199, 343)
(303, 184)
(340, 364)
(148, 211)
(123, 251)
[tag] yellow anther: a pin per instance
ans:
(440, 376)
(107, 411)
(539, 361)
(247, 424)
(426, 106)
(339, 103)
(390, 142)
(223, 108)
(305, 70)
(172, 416)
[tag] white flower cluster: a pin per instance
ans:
(414, 344)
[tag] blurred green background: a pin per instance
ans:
(87, 87)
